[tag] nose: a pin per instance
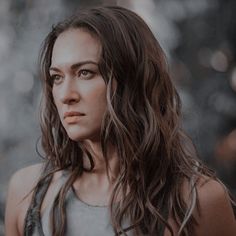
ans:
(69, 92)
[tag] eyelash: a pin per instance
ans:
(89, 73)
(88, 76)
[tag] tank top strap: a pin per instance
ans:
(32, 219)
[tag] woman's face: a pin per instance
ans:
(79, 90)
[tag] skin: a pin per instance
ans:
(78, 86)
(82, 89)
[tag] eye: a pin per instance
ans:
(85, 74)
(56, 79)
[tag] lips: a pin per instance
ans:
(72, 117)
(72, 113)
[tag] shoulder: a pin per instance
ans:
(215, 215)
(33, 170)
(212, 193)
(24, 179)
(19, 194)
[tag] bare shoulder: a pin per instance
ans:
(216, 214)
(24, 179)
(211, 193)
(19, 194)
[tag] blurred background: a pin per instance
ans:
(199, 39)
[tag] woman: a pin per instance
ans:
(117, 161)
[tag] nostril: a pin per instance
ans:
(71, 98)
(73, 101)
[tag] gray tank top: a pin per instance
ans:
(82, 219)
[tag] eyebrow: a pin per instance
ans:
(75, 66)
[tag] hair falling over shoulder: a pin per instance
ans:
(142, 120)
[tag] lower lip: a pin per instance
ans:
(72, 119)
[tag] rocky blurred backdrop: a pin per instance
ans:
(199, 39)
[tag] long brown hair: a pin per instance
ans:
(142, 120)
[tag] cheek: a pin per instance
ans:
(98, 98)
(54, 96)
(55, 100)
(96, 95)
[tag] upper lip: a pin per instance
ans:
(72, 113)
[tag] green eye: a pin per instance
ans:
(56, 78)
(86, 74)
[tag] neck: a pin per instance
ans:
(100, 167)
(95, 187)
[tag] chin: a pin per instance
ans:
(77, 137)
(82, 136)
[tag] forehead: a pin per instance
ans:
(75, 45)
